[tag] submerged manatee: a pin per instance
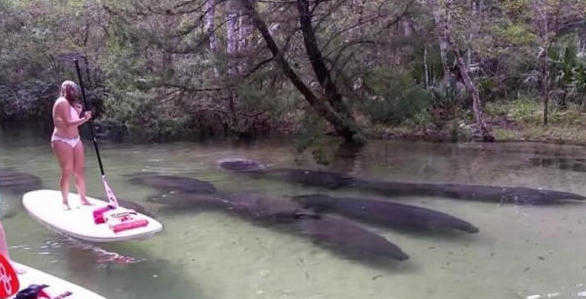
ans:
(174, 183)
(385, 212)
(515, 195)
(333, 180)
(135, 206)
(326, 179)
(348, 237)
(238, 164)
(18, 182)
(340, 235)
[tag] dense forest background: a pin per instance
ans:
(357, 69)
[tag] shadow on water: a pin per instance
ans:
(144, 277)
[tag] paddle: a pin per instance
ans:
(113, 202)
(8, 279)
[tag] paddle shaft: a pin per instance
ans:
(92, 135)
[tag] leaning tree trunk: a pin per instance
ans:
(344, 126)
(322, 72)
(483, 128)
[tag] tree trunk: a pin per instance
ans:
(232, 34)
(344, 127)
(317, 62)
(443, 43)
(209, 24)
(484, 131)
(209, 28)
(545, 82)
(245, 31)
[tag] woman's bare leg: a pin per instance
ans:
(64, 154)
(79, 171)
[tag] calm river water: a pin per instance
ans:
(520, 252)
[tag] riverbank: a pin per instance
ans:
(519, 121)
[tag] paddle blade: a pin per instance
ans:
(8, 280)
(109, 193)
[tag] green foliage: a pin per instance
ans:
(395, 97)
(30, 100)
(528, 110)
(151, 65)
(515, 34)
(568, 72)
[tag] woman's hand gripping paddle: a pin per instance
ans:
(113, 202)
(8, 279)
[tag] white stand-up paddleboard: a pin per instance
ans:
(56, 286)
(46, 206)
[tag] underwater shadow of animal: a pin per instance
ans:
(339, 235)
(136, 207)
(18, 182)
(173, 183)
(385, 213)
(332, 180)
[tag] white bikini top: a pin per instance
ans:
(73, 114)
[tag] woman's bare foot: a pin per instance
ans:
(86, 203)
(66, 206)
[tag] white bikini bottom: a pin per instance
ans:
(71, 141)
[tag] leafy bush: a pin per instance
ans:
(395, 97)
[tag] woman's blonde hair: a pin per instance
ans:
(69, 90)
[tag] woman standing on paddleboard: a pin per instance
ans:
(65, 140)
